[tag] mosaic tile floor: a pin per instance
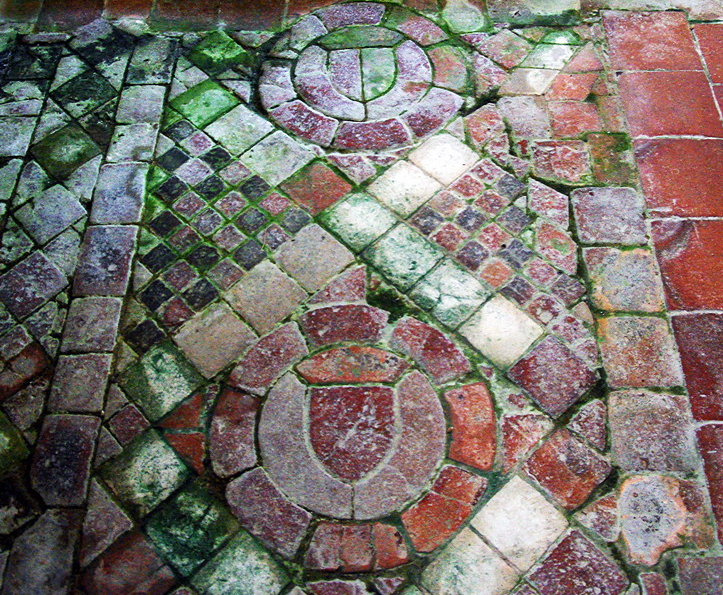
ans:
(384, 302)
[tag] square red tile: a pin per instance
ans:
(650, 41)
(710, 39)
(710, 443)
(571, 119)
(682, 177)
(690, 254)
(700, 341)
(669, 103)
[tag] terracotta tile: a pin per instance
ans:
(700, 340)
(669, 103)
(473, 415)
(61, 14)
(571, 119)
(710, 39)
(185, 13)
(700, 575)
(650, 41)
(259, 14)
(690, 255)
(117, 9)
(681, 177)
(710, 443)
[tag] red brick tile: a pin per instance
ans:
(568, 469)
(590, 423)
(577, 567)
(351, 428)
(185, 416)
(710, 443)
(259, 14)
(601, 517)
(484, 124)
(350, 286)
(191, 448)
(710, 39)
(553, 375)
(557, 246)
(129, 566)
(264, 511)
(25, 366)
(232, 433)
(700, 340)
(68, 14)
(474, 426)
(334, 324)
(650, 41)
(669, 103)
(681, 177)
(572, 87)
(444, 509)
(690, 255)
(352, 365)
(128, 423)
(571, 119)
(586, 60)
(718, 94)
(316, 188)
(653, 583)
(139, 9)
(439, 356)
(268, 358)
(185, 13)
(564, 160)
(389, 547)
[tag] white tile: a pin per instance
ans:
(444, 157)
(404, 188)
(520, 523)
(501, 331)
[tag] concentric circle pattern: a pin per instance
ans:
(359, 76)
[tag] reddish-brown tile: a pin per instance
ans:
(710, 441)
(473, 421)
(353, 365)
(20, 10)
(669, 103)
(68, 14)
(700, 340)
(116, 9)
(690, 254)
(568, 469)
(520, 433)
(710, 39)
(572, 87)
(650, 41)
(571, 119)
(316, 188)
(681, 177)
(259, 14)
(700, 575)
(185, 13)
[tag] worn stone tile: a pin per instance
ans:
(145, 474)
(554, 376)
(358, 220)
(403, 256)
(61, 462)
(404, 188)
(243, 566)
(277, 157)
(31, 283)
(91, 325)
(104, 260)
(567, 469)
(265, 296)
(590, 422)
(41, 558)
(189, 528)
(214, 338)
(18, 130)
(443, 157)
(51, 213)
(469, 566)
(141, 104)
(14, 448)
(316, 187)
(299, 257)
(160, 380)
(520, 523)
(104, 522)
(565, 161)
(528, 81)
(501, 331)
(624, 280)
(473, 426)
(700, 575)
(130, 564)
(577, 567)
(639, 352)
(239, 130)
(609, 216)
(231, 442)
(119, 193)
(79, 383)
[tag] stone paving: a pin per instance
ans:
(383, 301)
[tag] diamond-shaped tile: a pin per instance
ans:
(501, 331)
(277, 157)
(204, 103)
(190, 528)
(404, 188)
(359, 220)
(239, 129)
(51, 213)
(84, 93)
(62, 152)
(160, 380)
(265, 296)
(443, 157)
(146, 473)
